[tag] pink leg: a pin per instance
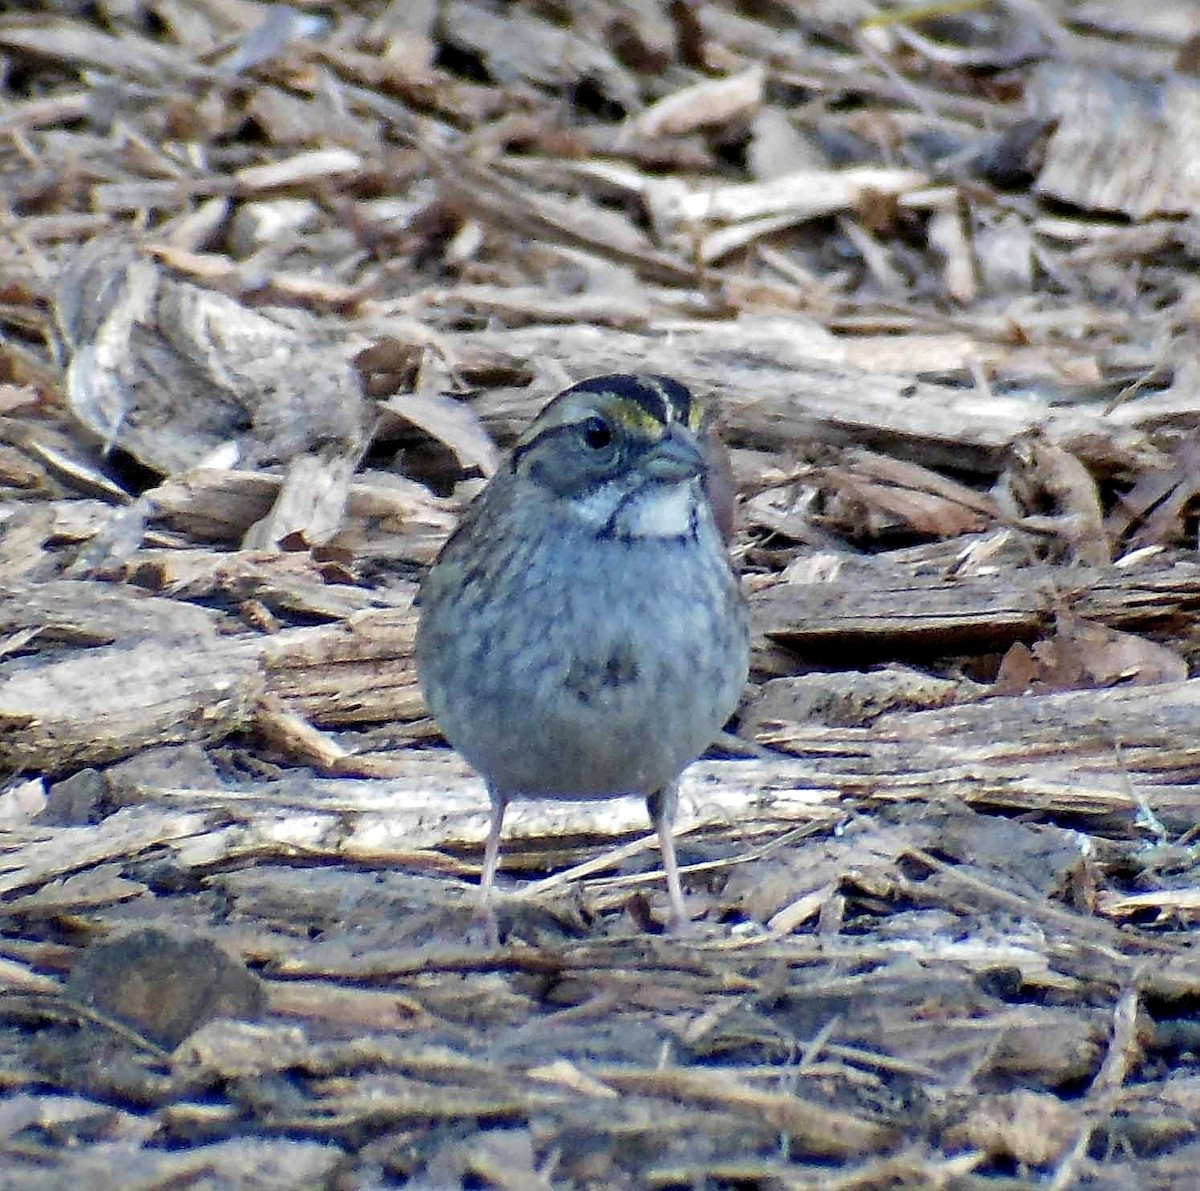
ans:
(661, 805)
(484, 910)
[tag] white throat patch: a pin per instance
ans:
(660, 511)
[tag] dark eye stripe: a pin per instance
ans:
(652, 403)
(566, 430)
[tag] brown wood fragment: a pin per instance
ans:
(1118, 146)
(108, 702)
(815, 1129)
(44, 856)
(938, 616)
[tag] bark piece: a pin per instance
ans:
(176, 375)
(166, 985)
(1120, 144)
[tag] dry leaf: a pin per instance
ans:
(1081, 654)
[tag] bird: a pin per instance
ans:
(583, 633)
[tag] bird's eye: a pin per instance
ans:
(597, 433)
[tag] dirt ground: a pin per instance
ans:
(279, 284)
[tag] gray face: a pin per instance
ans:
(623, 452)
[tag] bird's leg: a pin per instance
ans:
(485, 911)
(661, 805)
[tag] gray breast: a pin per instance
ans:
(570, 700)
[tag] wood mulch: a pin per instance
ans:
(278, 285)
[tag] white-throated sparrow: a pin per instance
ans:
(583, 633)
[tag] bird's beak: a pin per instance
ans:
(676, 456)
